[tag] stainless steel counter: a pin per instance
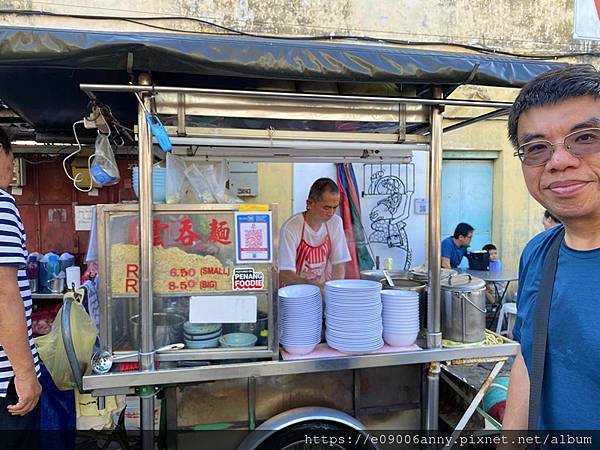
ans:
(124, 380)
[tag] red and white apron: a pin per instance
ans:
(312, 262)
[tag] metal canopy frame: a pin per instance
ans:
(147, 375)
(89, 89)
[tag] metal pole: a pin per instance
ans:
(434, 334)
(356, 382)
(433, 396)
(462, 423)
(90, 88)
(146, 354)
(251, 403)
(293, 144)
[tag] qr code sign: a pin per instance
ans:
(253, 239)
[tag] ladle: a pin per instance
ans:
(103, 360)
(388, 278)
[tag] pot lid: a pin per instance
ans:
(463, 283)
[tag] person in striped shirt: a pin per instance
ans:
(19, 365)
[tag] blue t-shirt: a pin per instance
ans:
(571, 387)
(496, 265)
(451, 251)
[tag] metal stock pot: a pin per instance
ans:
(463, 309)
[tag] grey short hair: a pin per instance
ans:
(577, 80)
(320, 186)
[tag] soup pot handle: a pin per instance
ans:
(473, 304)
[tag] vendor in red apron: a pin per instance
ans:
(312, 244)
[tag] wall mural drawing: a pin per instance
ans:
(395, 184)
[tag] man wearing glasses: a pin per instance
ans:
(454, 248)
(555, 126)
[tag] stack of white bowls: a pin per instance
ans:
(300, 318)
(353, 315)
(400, 317)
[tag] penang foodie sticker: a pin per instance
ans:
(246, 279)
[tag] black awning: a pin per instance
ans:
(241, 56)
(40, 69)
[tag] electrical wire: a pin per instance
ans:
(158, 27)
(79, 176)
(140, 20)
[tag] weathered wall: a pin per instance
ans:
(544, 25)
(518, 26)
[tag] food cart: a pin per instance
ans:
(132, 287)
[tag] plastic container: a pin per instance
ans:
(159, 184)
(66, 260)
(73, 277)
(42, 276)
(388, 264)
(55, 277)
(52, 269)
(33, 270)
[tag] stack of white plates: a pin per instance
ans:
(300, 318)
(353, 315)
(400, 317)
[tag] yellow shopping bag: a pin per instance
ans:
(51, 347)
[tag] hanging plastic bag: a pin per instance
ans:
(201, 184)
(190, 181)
(209, 182)
(177, 184)
(90, 417)
(104, 169)
(52, 351)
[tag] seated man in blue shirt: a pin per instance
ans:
(454, 248)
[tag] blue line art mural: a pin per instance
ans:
(395, 184)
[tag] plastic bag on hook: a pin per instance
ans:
(104, 169)
(52, 351)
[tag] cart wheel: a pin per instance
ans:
(316, 435)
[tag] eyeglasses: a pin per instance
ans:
(579, 143)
